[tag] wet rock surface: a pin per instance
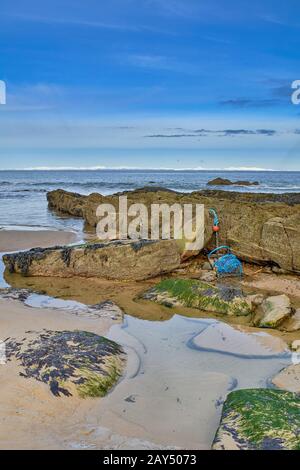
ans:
(259, 419)
(192, 293)
(69, 362)
(260, 228)
(119, 260)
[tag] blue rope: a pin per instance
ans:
(215, 216)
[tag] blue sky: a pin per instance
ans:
(150, 83)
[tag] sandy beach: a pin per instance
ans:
(159, 379)
(31, 417)
(12, 240)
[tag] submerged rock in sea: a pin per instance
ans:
(119, 260)
(198, 294)
(69, 362)
(260, 228)
(227, 182)
(259, 419)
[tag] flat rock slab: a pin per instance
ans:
(69, 362)
(288, 379)
(117, 260)
(201, 295)
(259, 419)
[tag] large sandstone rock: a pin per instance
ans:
(260, 228)
(259, 419)
(119, 260)
(275, 310)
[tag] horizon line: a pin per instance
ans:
(124, 168)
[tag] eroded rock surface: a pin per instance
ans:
(260, 419)
(260, 228)
(120, 260)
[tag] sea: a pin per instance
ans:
(23, 199)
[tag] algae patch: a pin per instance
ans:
(262, 419)
(69, 361)
(197, 294)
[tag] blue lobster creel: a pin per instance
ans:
(226, 265)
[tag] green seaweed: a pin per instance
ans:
(262, 419)
(197, 294)
(98, 386)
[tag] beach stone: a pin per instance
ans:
(69, 362)
(260, 228)
(296, 345)
(288, 379)
(275, 310)
(206, 266)
(119, 260)
(256, 299)
(208, 276)
(259, 419)
(193, 293)
(293, 323)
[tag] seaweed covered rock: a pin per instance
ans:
(201, 295)
(119, 260)
(259, 419)
(69, 362)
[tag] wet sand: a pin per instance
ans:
(30, 416)
(171, 394)
(13, 240)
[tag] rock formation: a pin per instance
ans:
(227, 182)
(119, 260)
(260, 228)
